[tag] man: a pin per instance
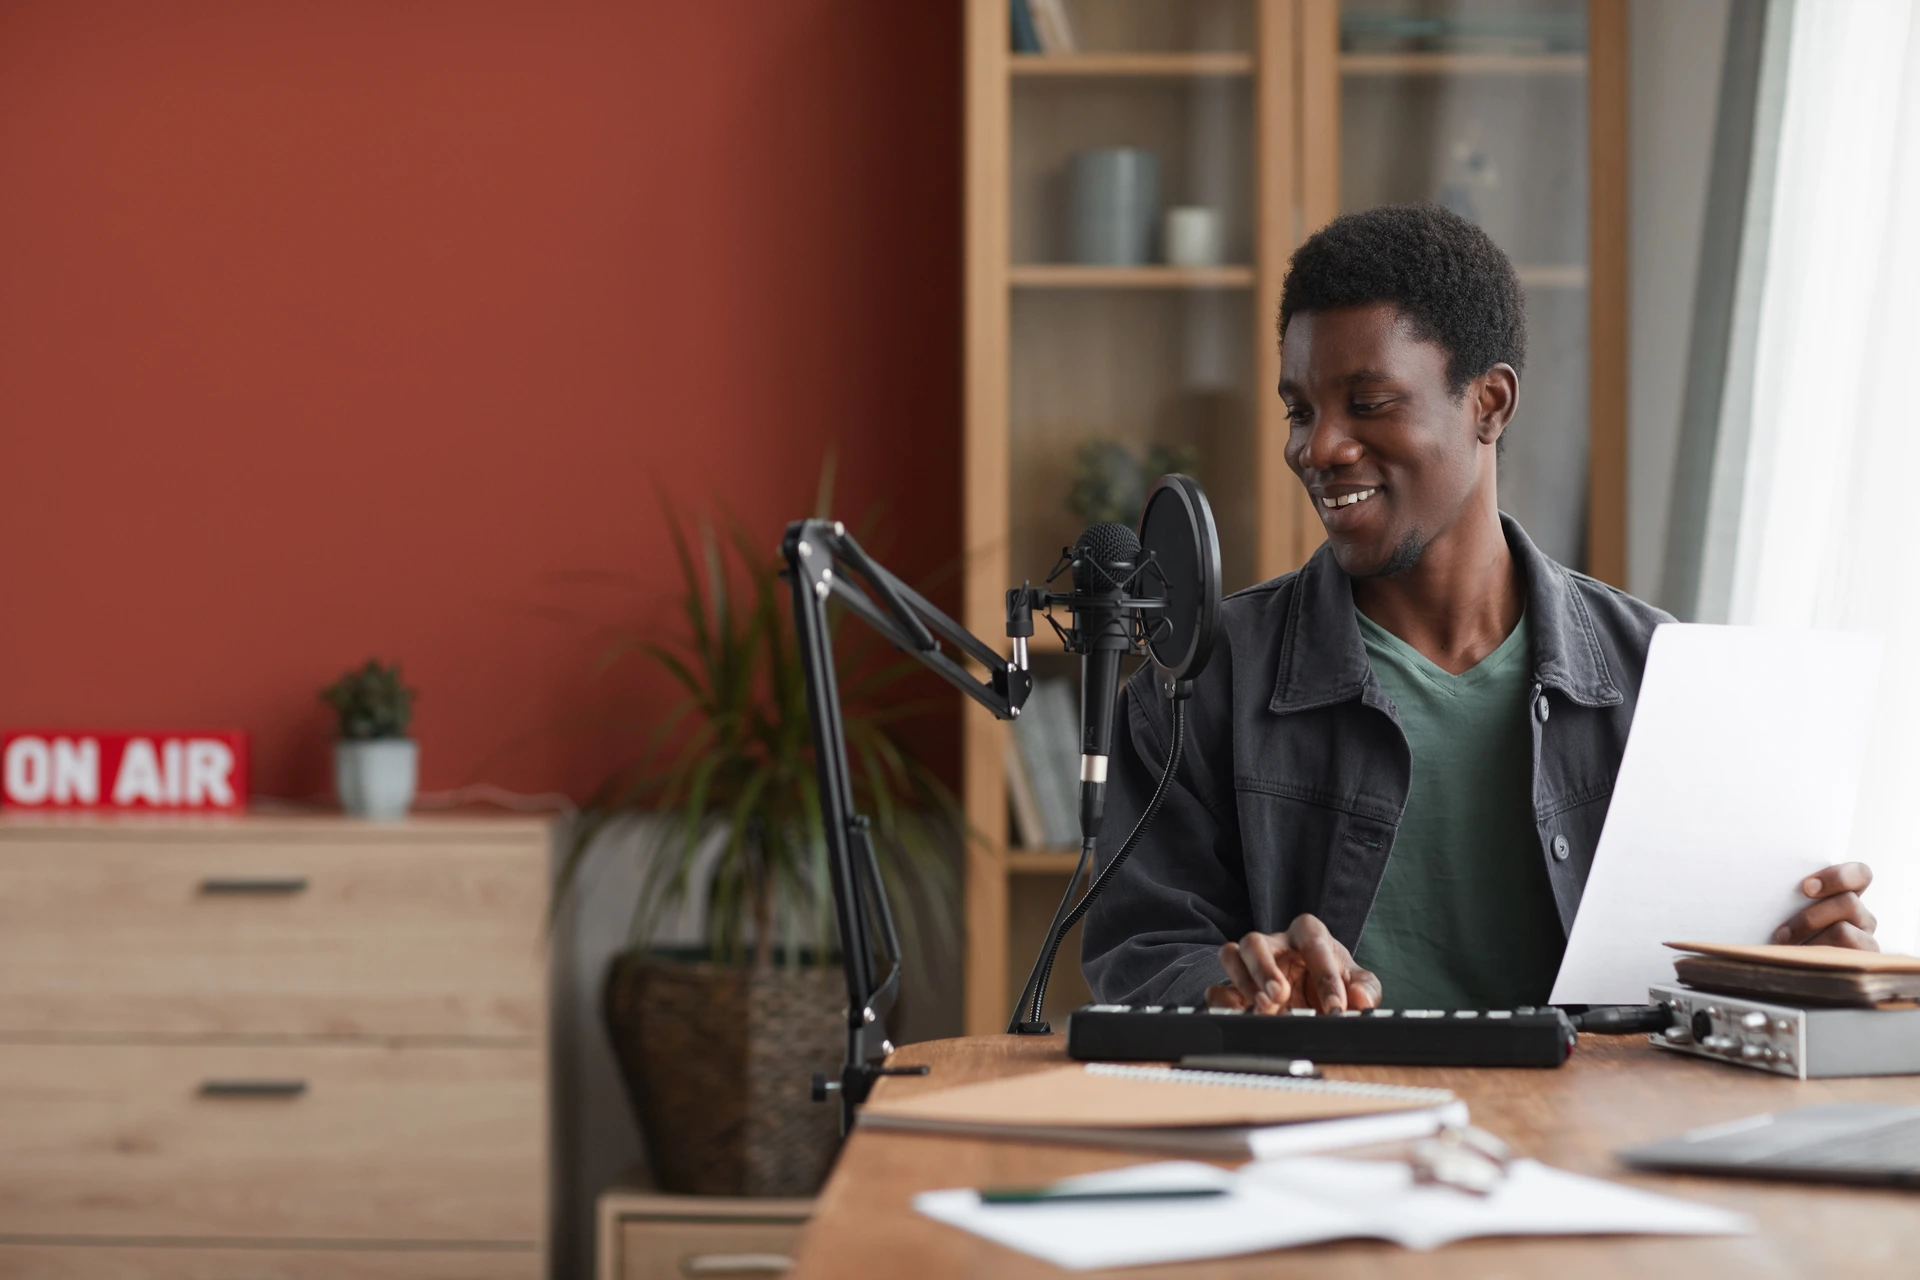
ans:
(1400, 756)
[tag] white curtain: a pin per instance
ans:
(1829, 502)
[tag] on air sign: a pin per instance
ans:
(194, 770)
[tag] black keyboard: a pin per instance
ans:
(1526, 1037)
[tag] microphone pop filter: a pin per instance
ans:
(1176, 527)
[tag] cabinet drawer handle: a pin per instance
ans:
(735, 1264)
(267, 886)
(252, 1088)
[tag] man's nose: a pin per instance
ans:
(1327, 447)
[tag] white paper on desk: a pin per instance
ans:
(1740, 777)
(1125, 1233)
(1533, 1200)
(1281, 1203)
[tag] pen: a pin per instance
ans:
(1046, 1195)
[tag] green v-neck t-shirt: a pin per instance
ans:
(1464, 918)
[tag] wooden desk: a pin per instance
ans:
(1613, 1093)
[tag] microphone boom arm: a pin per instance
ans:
(812, 549)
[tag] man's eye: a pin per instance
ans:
(1299, 416)
(1370, 406)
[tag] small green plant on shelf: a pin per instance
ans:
(1110, 480)
(371, 702)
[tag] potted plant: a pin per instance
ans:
(375, 764)
(717, 1047)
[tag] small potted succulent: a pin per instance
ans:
(375, 764)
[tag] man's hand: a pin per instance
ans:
(1837, 917)
(1303, 968)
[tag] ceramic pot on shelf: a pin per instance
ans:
(375, 777)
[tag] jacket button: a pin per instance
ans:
(1540, 708)
(1561, 848)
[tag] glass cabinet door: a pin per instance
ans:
(1482, 106)
(1132, 246)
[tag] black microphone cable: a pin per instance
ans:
(1026, 1015)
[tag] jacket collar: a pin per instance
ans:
(1322, 660)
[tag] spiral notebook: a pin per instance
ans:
(1168, 1109)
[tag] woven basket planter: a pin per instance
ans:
(718, 1061)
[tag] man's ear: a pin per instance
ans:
(1497, 395)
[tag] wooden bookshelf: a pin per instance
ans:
(1069, 275)
(1252, 107)
(1572, 275)
(1042, 862)
(1163, 66)
(1463, 64)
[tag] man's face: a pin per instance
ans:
(1374, 431)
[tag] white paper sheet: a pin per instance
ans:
(1740, 777)
(1280, 1203)
(1534, 1200)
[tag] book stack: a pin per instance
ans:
(1800, 975)
(1042, 26)
(1043, 768)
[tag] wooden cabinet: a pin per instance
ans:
(645, 1236)
(1274, 115)
(273, 1046)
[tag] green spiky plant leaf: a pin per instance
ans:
(731, 761)
(371, 702)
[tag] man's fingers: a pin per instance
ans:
(1237, 976)
(1806, 922)
(1845, 934)
(1307, 930)
(1847, 877)
(1225, 996)
(1327, 964)
(1363, 989)
(1272, 984)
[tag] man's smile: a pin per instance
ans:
(1345, 506)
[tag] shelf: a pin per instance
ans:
(1065, 275)
(1463, 64)
(1042, 862)
(1147, 66)
(1553, 276)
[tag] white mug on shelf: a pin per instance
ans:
(1194, 236)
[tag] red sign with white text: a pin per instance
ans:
(191, 770)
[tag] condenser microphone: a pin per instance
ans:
(1105, 560)
(1161, 588)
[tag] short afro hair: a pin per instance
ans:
(1445, 274)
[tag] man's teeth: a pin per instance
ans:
(1349, 499)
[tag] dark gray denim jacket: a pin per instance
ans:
(1296, 772)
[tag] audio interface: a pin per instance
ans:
(1805, 1043)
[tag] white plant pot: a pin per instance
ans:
(376, 778)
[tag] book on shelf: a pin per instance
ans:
(1025, 38)
(1052, 25)
(1047, 742)
(1023, 804)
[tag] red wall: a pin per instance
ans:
(335, 329)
